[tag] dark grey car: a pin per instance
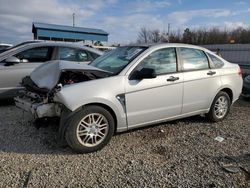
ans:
(246, 87)
(19, 62)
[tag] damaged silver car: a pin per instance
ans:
(130, 87)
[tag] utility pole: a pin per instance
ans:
(73, 19)
(168, 32)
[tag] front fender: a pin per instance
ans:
(102, 91)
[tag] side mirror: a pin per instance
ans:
(11, 61)
(144, 73)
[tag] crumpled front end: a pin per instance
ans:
(39, 107)
(47, 80)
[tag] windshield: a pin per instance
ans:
(116, 60)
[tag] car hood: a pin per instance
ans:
(47, 75)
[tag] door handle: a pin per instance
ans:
(172, 79)
(211, 73)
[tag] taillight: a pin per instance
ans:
(240, 72)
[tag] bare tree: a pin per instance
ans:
(143, 36)
(155, 36)
(197, 36)
(187, 36)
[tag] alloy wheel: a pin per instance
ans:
(221, 107)
(92, 129)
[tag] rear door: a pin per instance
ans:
(201, 81)
(151, 100)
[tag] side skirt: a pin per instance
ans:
(199, 112)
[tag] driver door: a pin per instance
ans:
(156, 99)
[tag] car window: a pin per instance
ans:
(2, 47)
(193, 59)
(216, 61)
(39, 54)
(72, 54)
(163, 61)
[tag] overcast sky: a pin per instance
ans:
(122, 19)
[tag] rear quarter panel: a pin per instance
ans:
(231, 78)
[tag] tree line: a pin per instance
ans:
(196, 36)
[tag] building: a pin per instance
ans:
(235, 53)
(54, 32)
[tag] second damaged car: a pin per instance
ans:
(130, 87)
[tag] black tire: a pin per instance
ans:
(71, 132)
(212, 114)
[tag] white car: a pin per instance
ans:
(130, 87)
(4, 47)
(23, 58)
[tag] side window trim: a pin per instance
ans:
(55, 54)
(210, 62)
(50, 52)
(179, 60)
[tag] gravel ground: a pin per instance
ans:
(181, 153)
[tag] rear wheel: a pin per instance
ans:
(90, 129)
(220, 107)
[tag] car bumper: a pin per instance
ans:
(38, 110)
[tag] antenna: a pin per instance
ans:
(73, 19)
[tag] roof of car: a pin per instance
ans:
(49, 43)
(55, 43)
(5, 44)
(67, 44)
(155, 45)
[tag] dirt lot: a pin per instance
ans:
(182, 153)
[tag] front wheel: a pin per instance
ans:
(220, 107)
(90, 129)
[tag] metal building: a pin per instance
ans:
(54, 32)
(236, 53)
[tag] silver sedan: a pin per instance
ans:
(21, 60)
(131, 87)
